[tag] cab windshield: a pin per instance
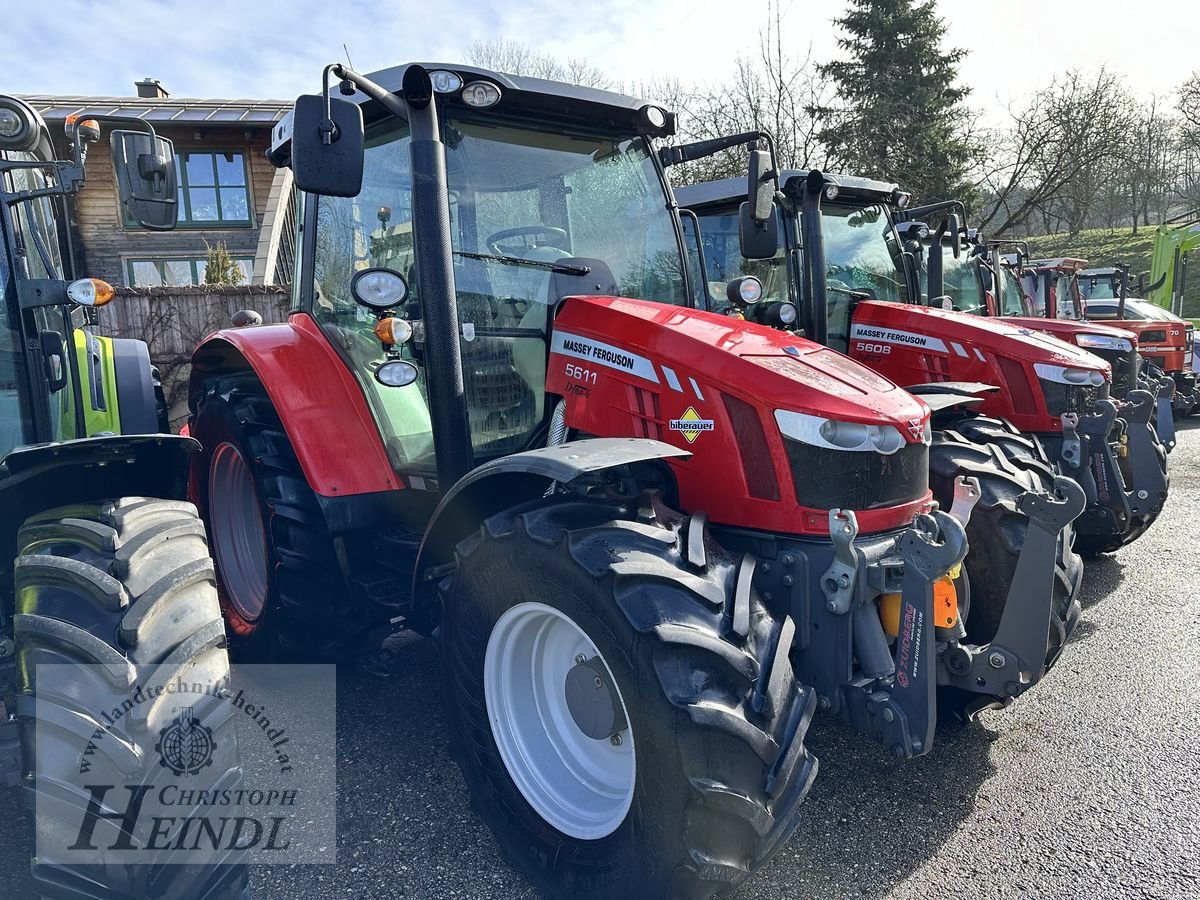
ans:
(522, 199)
(30, 247)
(960, 282)
(1099, 287)
(1013, 301)
(724, 262)
(862, 256)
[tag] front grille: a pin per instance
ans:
(1124, 369)
(1153, 337)
(1072, 398)
(829, 479)
(1160, 361)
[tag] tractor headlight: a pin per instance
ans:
(833, 434)
(445, 82)
(397, 373)
(1067, 375)
(378, 288)
(1103, 342)
(11, 124)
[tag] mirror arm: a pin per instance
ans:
(380, 95)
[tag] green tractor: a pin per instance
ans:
(105, 575)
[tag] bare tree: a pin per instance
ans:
(1152, 163)
(778, 90)
(516, 58)
(1061, 146)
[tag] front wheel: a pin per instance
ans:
(627, 721)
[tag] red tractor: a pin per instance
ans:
(854, 276)
(651, 540)
(1047, 299)
(1167, 340)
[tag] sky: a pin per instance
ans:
(276, 48)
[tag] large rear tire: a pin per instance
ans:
(106, 592)
(714, 765)
(280, 578)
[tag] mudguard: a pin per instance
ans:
(505, 482)
(319, 401)
(42, 476)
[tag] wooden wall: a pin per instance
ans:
(107, 242)
(172, 321)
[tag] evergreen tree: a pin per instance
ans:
(900, 115)
(221, 268)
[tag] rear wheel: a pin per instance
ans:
(280, 578)
(627, 721)
(1007, 465)
(105, 593)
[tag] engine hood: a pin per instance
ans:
(1067, 329)
(674, 345)
(942, 327)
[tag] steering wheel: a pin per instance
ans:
(558, 234)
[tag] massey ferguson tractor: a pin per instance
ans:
(854, 277)
(104, 570)
(651, 540)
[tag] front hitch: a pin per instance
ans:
(1089, 458)
(934, 545)
(1147, 489)
(1163, 389)
(1016, 658)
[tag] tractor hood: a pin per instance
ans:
(670, 345)
(962, 335)
(1068, 329)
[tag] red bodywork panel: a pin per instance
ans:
(1171, 354)
(638, 369)
(1068, 329)
(919, 345)
(315, 394)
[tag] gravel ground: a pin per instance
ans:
(1086, 788)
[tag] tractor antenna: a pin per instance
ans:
(349, 61)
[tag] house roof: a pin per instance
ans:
(183, 111)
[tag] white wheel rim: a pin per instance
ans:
(581, 786)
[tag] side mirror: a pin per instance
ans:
(954, 229)
(333, 169)
(146, 178)
(758, 240)
(760, 186)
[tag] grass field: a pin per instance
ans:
(1101, 247)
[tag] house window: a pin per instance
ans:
(180, 272)
(213, 189)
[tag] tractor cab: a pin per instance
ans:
(59, 381)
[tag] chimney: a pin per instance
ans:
(151, 88)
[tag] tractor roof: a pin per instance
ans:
(1100, 272)
(1059, 262)
(540, 96)
(726, 189)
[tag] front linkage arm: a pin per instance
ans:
(1016, 657)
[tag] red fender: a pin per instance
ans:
(318, 399)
